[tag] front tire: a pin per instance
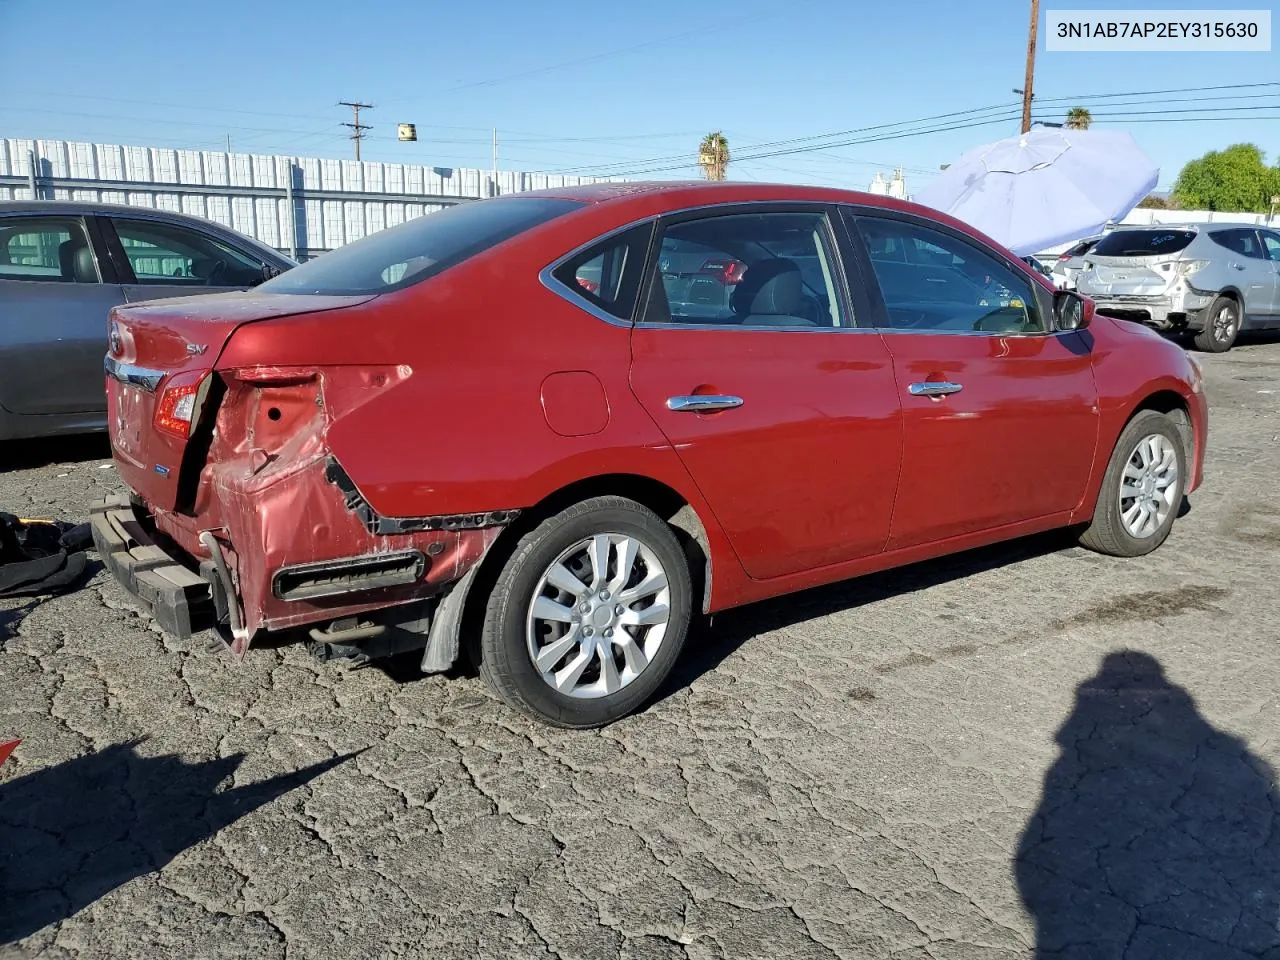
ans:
(588, 615)
(1221, 326)
(1141, 489)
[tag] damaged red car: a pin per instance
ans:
(545, 430)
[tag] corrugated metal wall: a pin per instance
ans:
(307, 204)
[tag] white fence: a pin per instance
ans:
(299, 205)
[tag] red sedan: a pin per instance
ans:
(544, 430)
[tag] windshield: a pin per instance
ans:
(411, 252)
(1143, 243)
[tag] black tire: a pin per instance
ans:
(1106, 533)
(504, 659)
(1220, 337)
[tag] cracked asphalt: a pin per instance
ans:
(1027, 751)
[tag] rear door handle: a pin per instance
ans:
(700, 403)
(934, 388)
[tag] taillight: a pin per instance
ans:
(728, 272)
(176, 409)
(588, 285)
(1064, 256)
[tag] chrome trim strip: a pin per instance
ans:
(133, 375)
(699, 403)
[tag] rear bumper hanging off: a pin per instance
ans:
(180, 600)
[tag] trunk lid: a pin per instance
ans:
(159, 357)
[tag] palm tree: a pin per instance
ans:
(713, 155)
(1078, 118)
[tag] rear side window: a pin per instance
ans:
(1243, 242)
(45, 248)
(1081, 248)
(1143, 243)
(423, 247)
(608, 274)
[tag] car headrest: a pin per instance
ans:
(770, 286)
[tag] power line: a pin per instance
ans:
(819, 136)
(1156, 93)
(720, 27)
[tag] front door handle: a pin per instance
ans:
(934, 388)
(700, 403)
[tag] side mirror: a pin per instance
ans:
(1070, 310)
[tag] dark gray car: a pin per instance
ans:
(63, 265)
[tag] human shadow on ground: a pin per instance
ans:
(1157, 836)
(72, 833)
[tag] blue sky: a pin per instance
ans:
(594, 87)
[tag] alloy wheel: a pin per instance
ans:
(598, 616)
(1148, 486)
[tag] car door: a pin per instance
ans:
(56, 289)
(175, 260)
(1249, 271)
(1271, 247)
(1000, 416)
(780, 405)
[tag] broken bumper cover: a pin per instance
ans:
(1183, 309)
(180, 600)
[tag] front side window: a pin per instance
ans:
(421, 248)
(52, 249)
(161, 253)
(932, 281)
(748, 270)
(1271, 243)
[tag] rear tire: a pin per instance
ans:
(1141, 490)
(588, 615)
(1221, 326)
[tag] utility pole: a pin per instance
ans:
(1027, 91)
(357, 128)
(495, 161)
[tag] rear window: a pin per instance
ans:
(423, 247)
(1081, 248)
(1143, 243)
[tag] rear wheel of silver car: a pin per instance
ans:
(588, 615)
(1221, 326)
(1141, 490)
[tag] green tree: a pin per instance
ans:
(1236, 179)
(1078, 118)
(713, 155)
(1153, 201)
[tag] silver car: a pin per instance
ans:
(1066, 268)
(1210, 279)
(63, 265)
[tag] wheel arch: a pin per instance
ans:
(458, 618)
(1175, 406)
(1164, 399)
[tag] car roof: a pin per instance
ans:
(657, 196)
(81, 208)
(88, 207)
(724, 191)
(1197, 225)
